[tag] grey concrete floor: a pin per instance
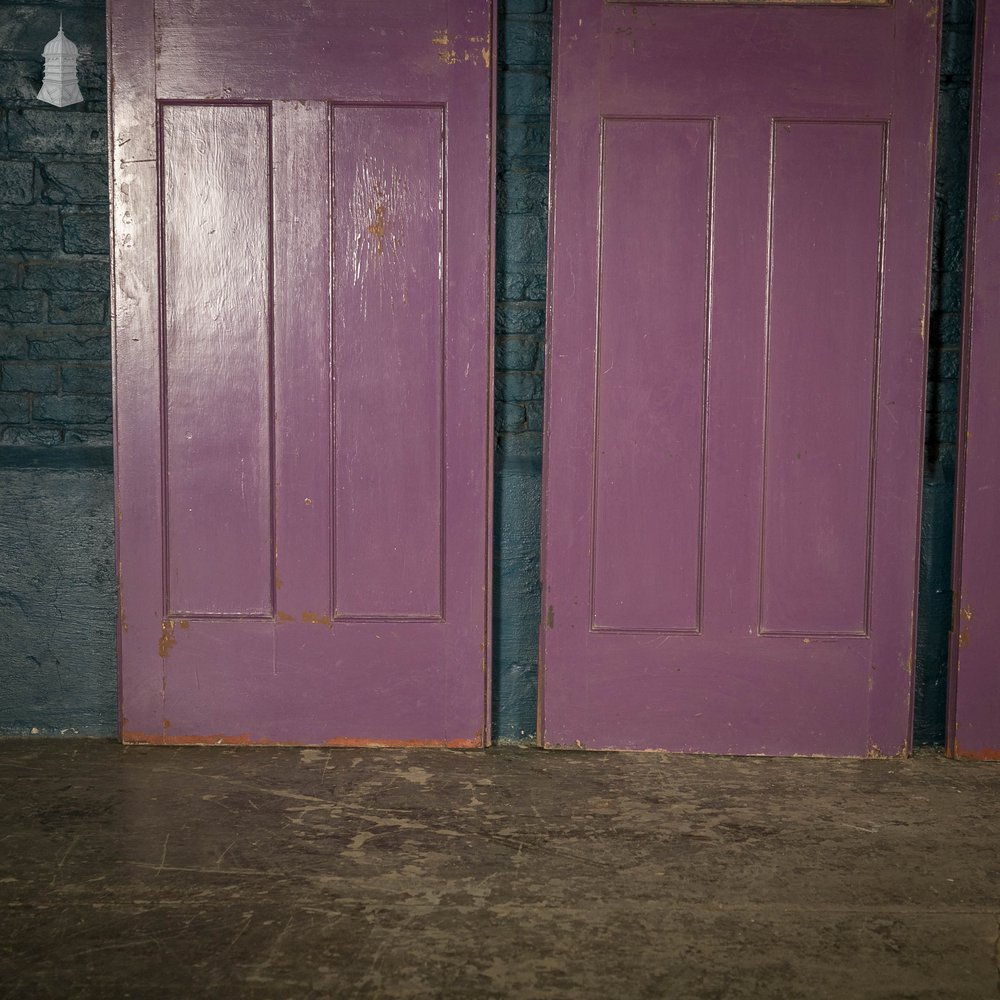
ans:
(259, 873)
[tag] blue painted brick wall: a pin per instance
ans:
(57, 592)
(525, 52)
(525, 56)
(55, 348)
(57, 580)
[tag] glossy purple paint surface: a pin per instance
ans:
(733, 444)
(975, 653)
(216, 368)
(302, 233)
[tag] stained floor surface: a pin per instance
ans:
(260, 873)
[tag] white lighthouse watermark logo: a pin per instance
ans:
(59, 86)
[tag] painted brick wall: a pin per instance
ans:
(57, 592)
(55, 377)
(525, 55)
(525, 52)
(57, 583)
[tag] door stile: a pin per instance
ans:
(135, 340)
(973, 730)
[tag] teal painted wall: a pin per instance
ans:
(57, 601)
(57, 580)
(57, 593)
(524, 61)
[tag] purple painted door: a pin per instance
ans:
(974, 704)
(735, 368)
(302, 232)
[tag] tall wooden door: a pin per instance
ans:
(974, 688)
(302, 231)
(735, 370)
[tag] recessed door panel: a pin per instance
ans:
(389, 222)
(216, 271)
(823, 327)
(303, 341)
(650, 400)
(739, 245)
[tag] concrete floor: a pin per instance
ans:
(189, 872)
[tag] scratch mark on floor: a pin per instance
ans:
(117, 945)
(69, 850)
(218, 861)
(242, 930)
(163, 859)
(275, 948)
(202, 870)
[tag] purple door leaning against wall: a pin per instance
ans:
(735, 369)
(974, 703)
(302, 231)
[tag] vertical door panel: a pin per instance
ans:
(303, 437)
(388, 181)
(974, 702)
(738, 294)
(823, 325)
(216, 267)
(652, 351)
